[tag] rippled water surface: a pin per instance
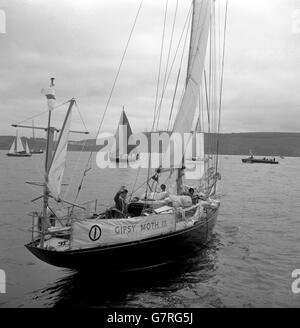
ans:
(248, 263)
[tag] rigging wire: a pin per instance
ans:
(186, 23)
(170, 71)
(113, 88)
(179, 72)
(80, 115)
(120, 67)
(210, 88)
(214, 82)
(222, 67)
(222, 75)
(167, 65)
(40, 114)
(160, 64)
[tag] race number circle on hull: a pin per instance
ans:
(95, 233)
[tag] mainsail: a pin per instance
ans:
(57, 167)
(186, 113)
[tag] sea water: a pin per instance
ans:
(248, 263)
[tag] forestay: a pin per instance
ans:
(93, 233)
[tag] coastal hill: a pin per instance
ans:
(261, 144)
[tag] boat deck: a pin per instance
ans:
(57, 244)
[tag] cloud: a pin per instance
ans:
(81, 44)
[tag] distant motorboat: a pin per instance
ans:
(264, 160)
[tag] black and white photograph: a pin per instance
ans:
(149, 156)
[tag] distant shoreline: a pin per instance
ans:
(261, 144)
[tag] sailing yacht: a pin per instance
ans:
(154, 231)
(17, 149)
(121, 150)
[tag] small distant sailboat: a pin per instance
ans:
(35, 150)
(121, 151)
(17, 149)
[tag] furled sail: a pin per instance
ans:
(50, 95)
(185, 116)
(57, 167)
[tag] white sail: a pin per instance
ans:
(56, 171)
(12, 147)
(185, 116)
(199, 6)
(27, 148)
(20, 146)
(122, 135)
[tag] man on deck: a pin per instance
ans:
(120, 200)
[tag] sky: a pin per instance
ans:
(81, 42)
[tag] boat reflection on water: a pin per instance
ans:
(93, 289)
